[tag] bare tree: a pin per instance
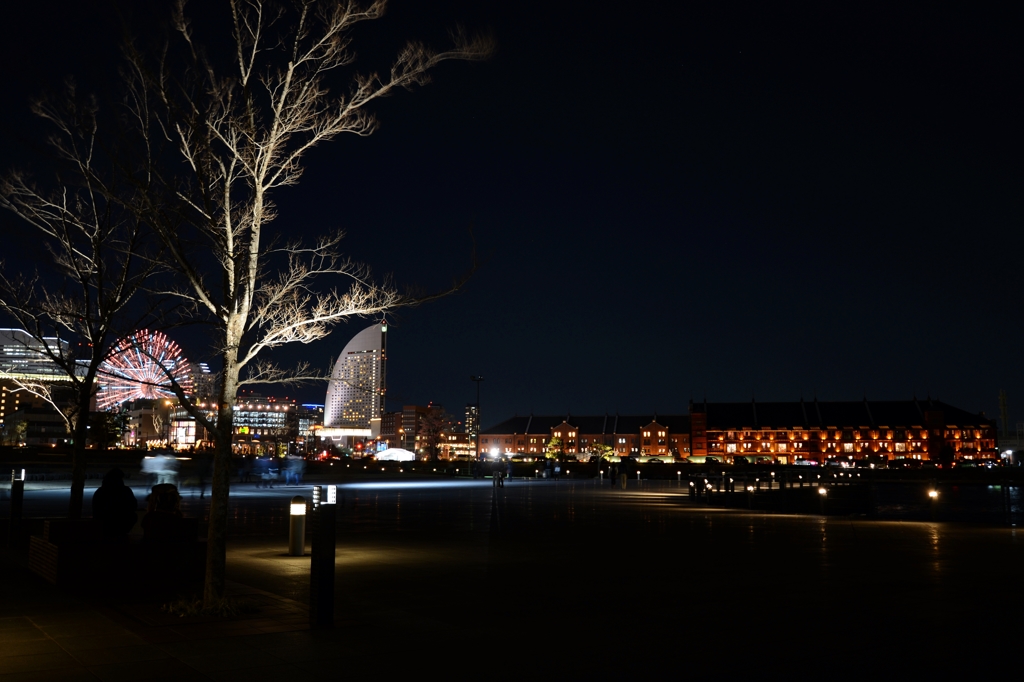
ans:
(223, 137)
(96, 264)
(435, 425)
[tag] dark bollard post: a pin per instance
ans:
(322, 556)
(693, 489)
(17, 507)
(17, 496)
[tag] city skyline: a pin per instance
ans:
(790, 202)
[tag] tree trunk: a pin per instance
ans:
(216, 538)
(79, 438)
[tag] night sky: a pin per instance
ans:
(670, 200)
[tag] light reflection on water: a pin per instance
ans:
(466, 506)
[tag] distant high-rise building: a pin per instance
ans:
(311, 420)
(355, 394)
(472, 420)
(24, 357)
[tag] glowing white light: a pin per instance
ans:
(822, 491)
(933, 494)
(332, 494)
(298, 508)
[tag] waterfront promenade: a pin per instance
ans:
(456, 577)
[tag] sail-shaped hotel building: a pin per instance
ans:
(355, 394)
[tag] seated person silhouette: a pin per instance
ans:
(114, 506)
(163, 521)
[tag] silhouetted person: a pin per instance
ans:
(262, 472)
(203, 464)
(162, 521)
(293, 470)
(114, 505)
(245, 471)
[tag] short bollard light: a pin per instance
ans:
(297, 527)
(823, 491)
(934, 494)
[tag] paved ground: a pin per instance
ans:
(568, 578)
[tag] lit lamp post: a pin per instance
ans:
(297, 526)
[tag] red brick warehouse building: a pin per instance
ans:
(643, 436)
(821, 431)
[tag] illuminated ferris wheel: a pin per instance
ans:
(138, 367)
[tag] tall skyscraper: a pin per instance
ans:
(472, 421)
(355, 394)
